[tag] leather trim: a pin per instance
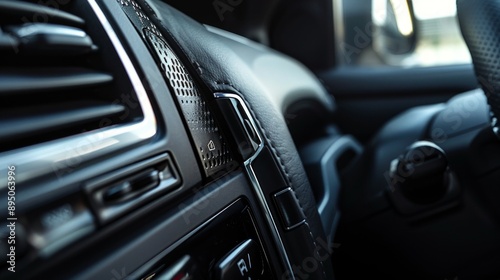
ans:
(225, 65)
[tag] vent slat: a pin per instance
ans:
(32, 124)
(22, 81)
(55, 79)
(51, 39)
(22, 12)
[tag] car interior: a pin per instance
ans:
(238, 139)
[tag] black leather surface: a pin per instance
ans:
(223, 69)
(480, 24)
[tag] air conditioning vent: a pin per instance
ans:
(56, 76)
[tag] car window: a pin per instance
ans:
(414, 33)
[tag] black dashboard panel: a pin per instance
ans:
(55, 216)
(211, 247)
(179, 175)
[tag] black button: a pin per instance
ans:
(117, 192)
(184, 269)
(289, 209)
(53, 228)
(243, 262)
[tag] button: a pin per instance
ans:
(117, 192)
(243, 262)
(58, 226)
(184, 269)
(289, 209)
(131, 187)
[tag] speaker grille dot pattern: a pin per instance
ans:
(212, 148)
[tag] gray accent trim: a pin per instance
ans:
(286, 82)
(328, 205)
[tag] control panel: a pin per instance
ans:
(227, 247)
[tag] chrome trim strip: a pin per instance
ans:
(269, 218)
(70, 152)
(247, 112)
(256, 185)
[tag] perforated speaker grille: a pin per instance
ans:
(211, 146)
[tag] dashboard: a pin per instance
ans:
(137, 143)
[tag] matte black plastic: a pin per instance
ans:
(226, 247)
(159, 226)
(421, 180)
(365, 195)
(223, 69)
(289, 209)
(30, 81)
(369, 97)
(463, 112)
(132, 186)
(429, 245)
(271, 182)
(326, 159)
(115, 194)
(33, 121)
(83, 258)
(52, 228)
(423, 172)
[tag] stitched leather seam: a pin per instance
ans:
(276, 153)
(283, 167)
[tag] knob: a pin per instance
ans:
(422, 173)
